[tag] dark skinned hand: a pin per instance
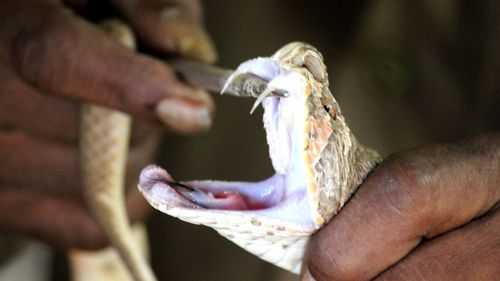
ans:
(51, 59)
(429, 213)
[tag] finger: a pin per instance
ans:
(170, 27)
(468, 253)
(61, 54)
(176, 115)
(59, 221)
(420, 193)
(49, 117)
(42, 165)
(50, 167)
(24, 108)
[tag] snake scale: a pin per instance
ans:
(104, 142)
(318, 164)
(317, 160)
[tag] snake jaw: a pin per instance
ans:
(279, 206)
(267, 225)
(157, 185)
(152, 182)
(272, 215)
(159, 188)
(318, 164)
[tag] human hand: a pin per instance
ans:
(429, 213)
(50, 60)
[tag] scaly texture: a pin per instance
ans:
(104, 139)
(318, 163)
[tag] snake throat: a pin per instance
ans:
(318, 164)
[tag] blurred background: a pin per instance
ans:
(404, 73)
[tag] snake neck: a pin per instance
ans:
(344, 166)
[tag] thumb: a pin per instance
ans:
(61, 54)
(170, 27)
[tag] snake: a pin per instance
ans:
(104, 143)
(318, 164)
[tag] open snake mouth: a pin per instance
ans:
(215, 195)
(312, 151)
(282, 196)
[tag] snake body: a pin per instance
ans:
(104, 140)
(318, 162)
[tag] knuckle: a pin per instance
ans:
(322, 265)
(29, 45)
(141, 98)
(404, 194)
(34, 45)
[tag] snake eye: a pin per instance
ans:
(328, 107)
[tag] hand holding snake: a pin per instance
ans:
(51, 59)
(428, 213)
(373, 234)
(433, 200)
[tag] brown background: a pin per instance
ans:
(404, 72)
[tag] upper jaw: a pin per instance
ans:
(283, 196)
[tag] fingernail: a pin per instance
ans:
(190, 37)
(198, 45)
(182, 117)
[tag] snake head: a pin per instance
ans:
(308, 137)
(317, 161)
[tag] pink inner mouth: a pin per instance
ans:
(226, 200)
(283, 196)
(268, 198)
(211, 194)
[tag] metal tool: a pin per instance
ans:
(213, 78)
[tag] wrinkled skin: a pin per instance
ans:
(50, 60)
(428, 213)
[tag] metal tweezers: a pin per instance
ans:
(214, 78)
